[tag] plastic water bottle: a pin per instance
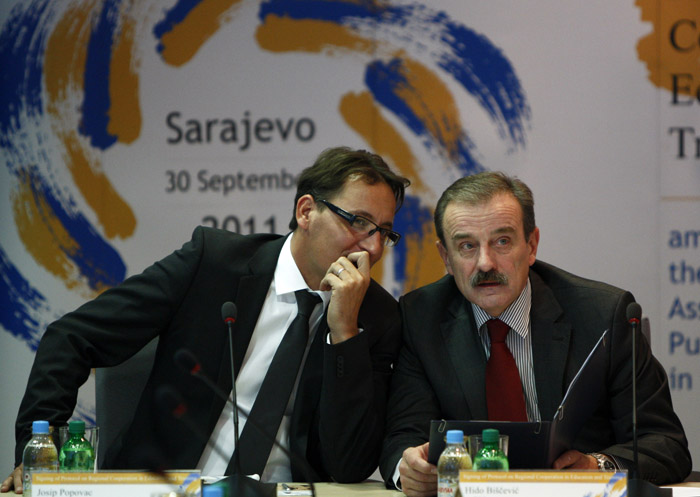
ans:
(39, 455)
(453, 458)
(77, 454)
(490, 457)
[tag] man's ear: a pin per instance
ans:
(443, 255)
(305, 205)
(532, 244)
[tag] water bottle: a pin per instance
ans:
(453, 458)
(39, 455)
(77, 454)
(490, 457)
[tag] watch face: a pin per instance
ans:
(604, 463)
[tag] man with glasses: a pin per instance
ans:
(333, 418)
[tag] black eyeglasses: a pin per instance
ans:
(364, 226)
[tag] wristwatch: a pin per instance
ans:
(605, 463)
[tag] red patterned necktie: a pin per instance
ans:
(504, 392)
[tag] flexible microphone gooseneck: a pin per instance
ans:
(636, 487)
(634, 316)
(229, 314)
(189, 362)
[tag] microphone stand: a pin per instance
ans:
(239, 484)
(236, 455)
(637, 487)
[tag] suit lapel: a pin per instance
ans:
(250, 297)
(467, 356)
(550, 347)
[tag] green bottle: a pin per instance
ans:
(490, 457)
(77, 454)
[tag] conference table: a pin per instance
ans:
(367, 488)
(372, 488)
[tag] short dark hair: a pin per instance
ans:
(334, 166)
(482, 187)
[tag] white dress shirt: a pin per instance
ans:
(278, 312)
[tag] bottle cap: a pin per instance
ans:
(76, 427)
(40, 427)
(455, 437)
(212, 491)
(490, 435)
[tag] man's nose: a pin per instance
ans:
(485, 262)
(374, 245)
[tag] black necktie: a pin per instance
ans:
(275, 390)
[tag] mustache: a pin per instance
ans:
(488, 276)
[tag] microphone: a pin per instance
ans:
(229, 314)
(634, 316)
(189, 362)
(636, 487)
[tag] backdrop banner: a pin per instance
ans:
(125, 124)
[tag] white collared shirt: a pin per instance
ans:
(278, 311)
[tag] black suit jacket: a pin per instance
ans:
(339, 412)
(440, 373)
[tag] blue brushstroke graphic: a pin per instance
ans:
(96, 260)
(384, 81)
(96, 101)
(470, 58)
(21, 58)
(17, 301)
(410, 220)
(174, 16)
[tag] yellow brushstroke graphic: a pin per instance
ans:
(673, 46)
(187, 37)
(124, 109)
(363, 115)
(423, 265)
(44, 236)
(63, 70)
(280, 34)
(433, 104)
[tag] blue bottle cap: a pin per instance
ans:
(212, 491)
(40, 427)
(455, 437)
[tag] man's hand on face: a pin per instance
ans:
(348, 279)
(13, 481)
(418, 476)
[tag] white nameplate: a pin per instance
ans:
(117, 484)
(543, 483)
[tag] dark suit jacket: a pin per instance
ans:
(440, 373)
(339, 413)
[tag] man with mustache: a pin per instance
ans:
(539, 323)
